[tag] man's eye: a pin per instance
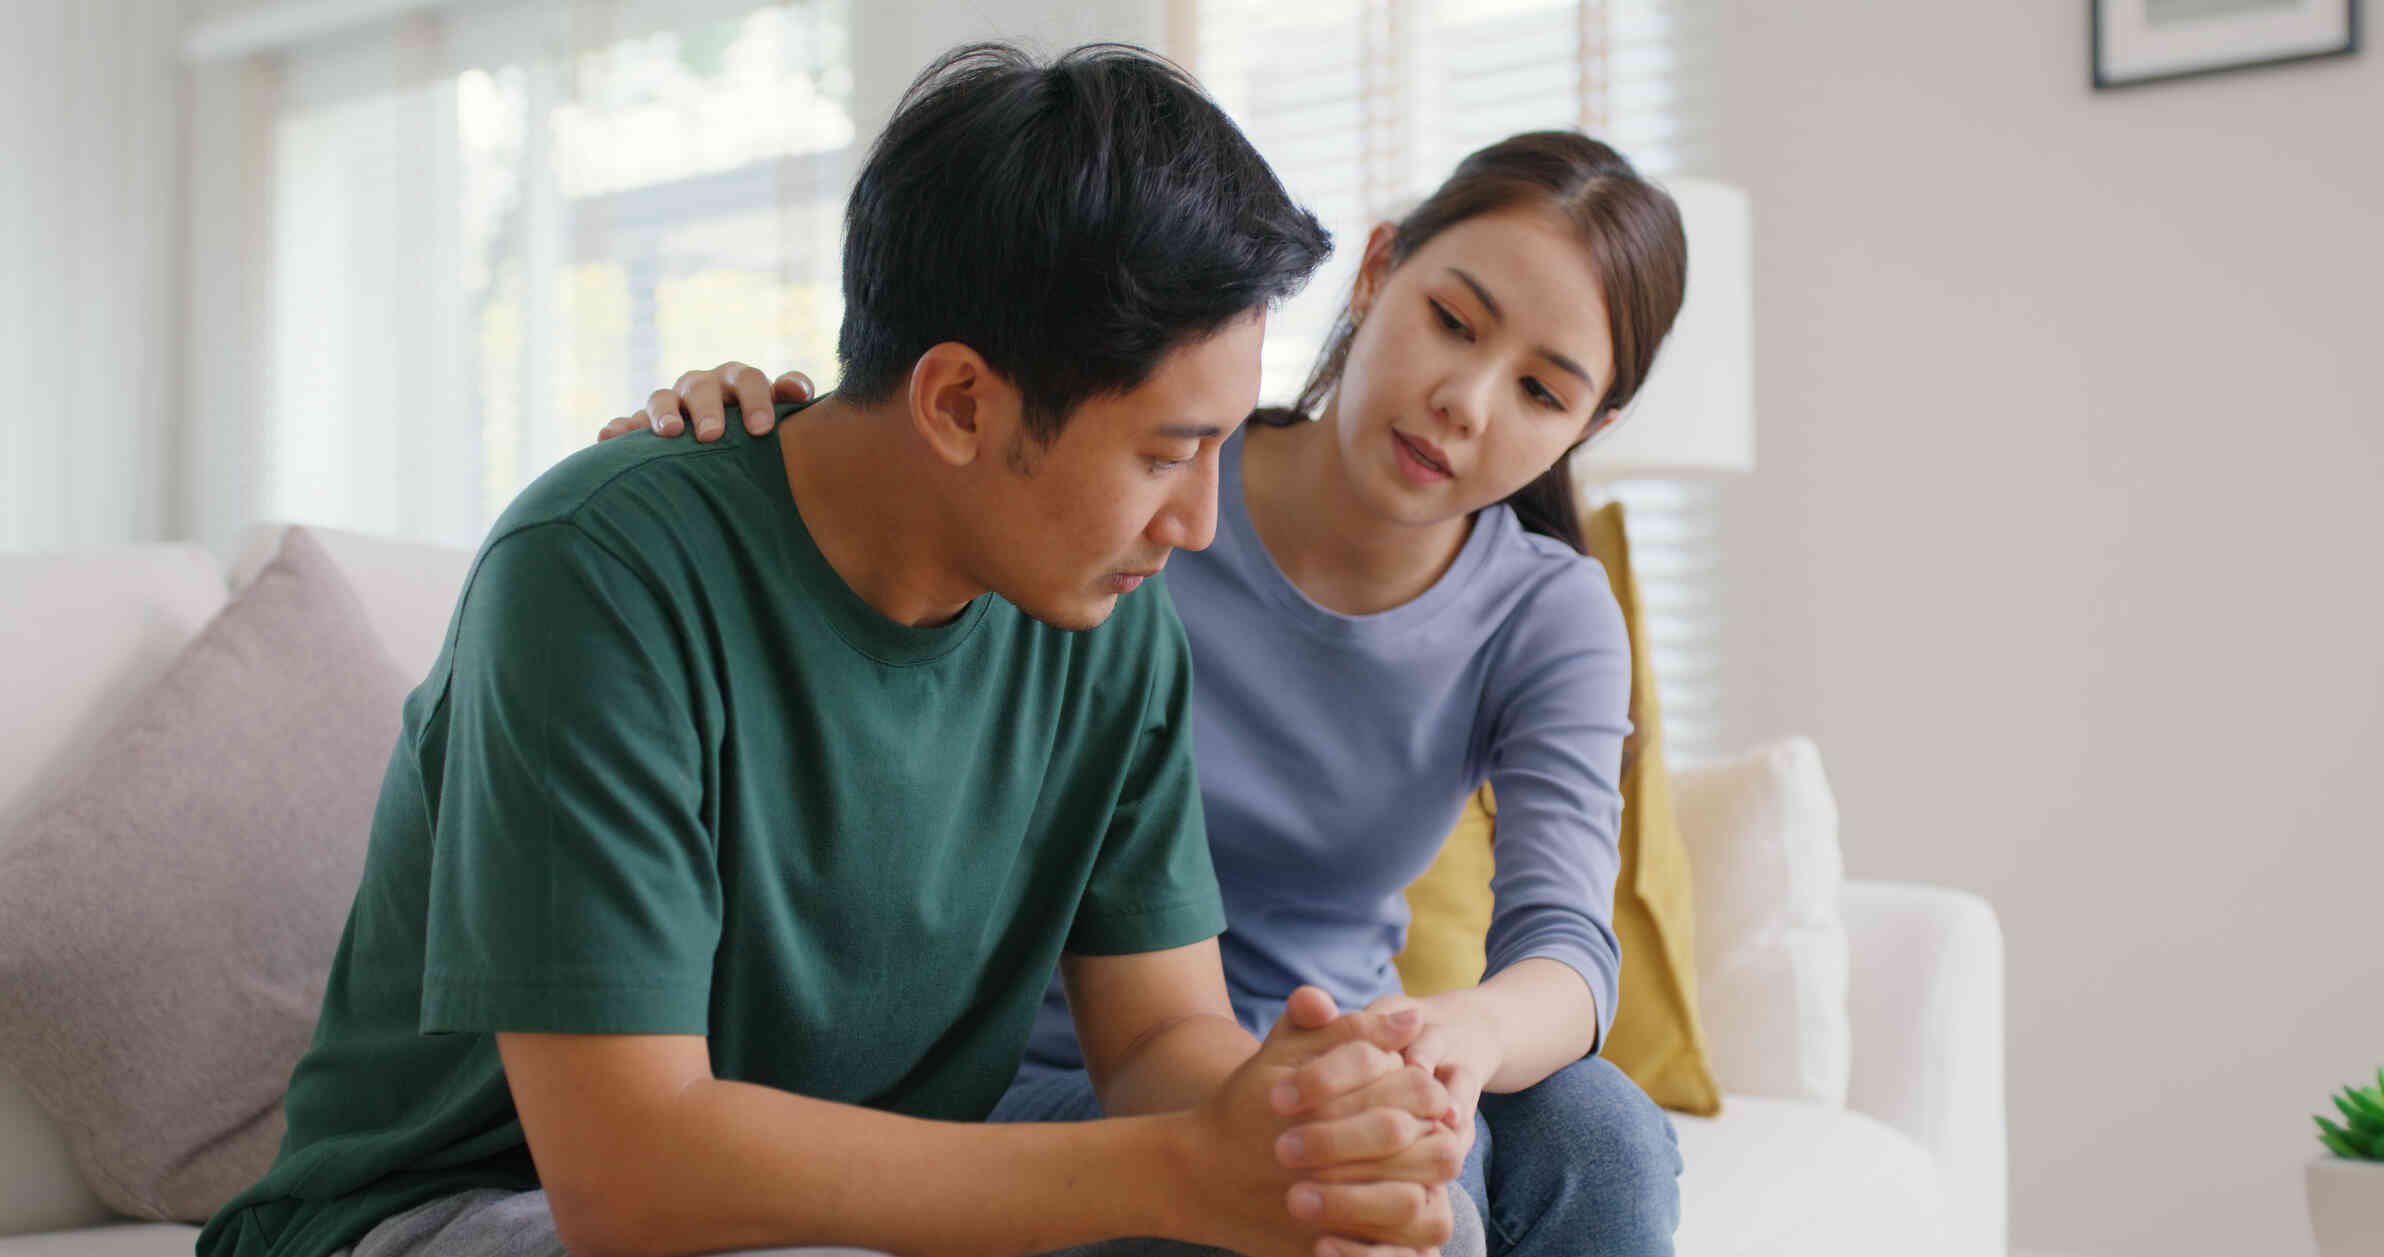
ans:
(1448, 320)
(1159, 465)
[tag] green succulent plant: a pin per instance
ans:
(2361, 1137)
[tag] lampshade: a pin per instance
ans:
(1695, 415)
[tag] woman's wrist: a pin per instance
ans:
(1472, 1015)
(1538, 1015)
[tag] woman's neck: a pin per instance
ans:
(1321, 534)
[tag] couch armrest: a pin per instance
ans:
(1926, 1006)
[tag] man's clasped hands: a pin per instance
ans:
(1365, 1138)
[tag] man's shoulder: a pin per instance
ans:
(629, 468)
(671, 510)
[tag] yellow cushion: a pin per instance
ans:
(1655, 1038)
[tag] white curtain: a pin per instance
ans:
(436, 247)
(88, 227)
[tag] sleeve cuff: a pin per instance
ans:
(1148, 929)
(1600, 980)
(452, 1005)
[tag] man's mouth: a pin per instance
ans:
(1127, 582)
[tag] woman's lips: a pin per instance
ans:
(1420, 460)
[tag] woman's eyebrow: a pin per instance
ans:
(1490, 303)
(1481, 294)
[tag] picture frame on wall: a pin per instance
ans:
(2153, 41)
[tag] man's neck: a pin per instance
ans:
(856, 473)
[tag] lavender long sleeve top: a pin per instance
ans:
(1335, 753)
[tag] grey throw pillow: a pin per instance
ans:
(168, 911)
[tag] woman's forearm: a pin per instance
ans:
(1541, 1013)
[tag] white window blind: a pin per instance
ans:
(493, 227)
(1363, 106)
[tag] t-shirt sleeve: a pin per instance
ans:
(1560, 703)
(574, 886)
(1153, 886)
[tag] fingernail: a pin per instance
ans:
(1406, 1019)
(1306, 1201)
(1287, 1097)
(1290, 1148)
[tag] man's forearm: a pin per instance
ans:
(1177, 1067)
(736, 1166)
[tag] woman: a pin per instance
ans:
(1396, 609)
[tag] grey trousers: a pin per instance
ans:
(492, 1223)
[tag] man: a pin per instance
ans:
(760, 786)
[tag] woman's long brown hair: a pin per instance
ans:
(1632, 232)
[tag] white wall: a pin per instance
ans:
(2062, 543)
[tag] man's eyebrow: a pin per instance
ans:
(1191, 431)
(1490, 303)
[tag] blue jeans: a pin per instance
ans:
(1582, 1165)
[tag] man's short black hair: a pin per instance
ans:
(1072, 222)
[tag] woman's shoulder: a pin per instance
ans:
(1548, 606)
(1540, 574)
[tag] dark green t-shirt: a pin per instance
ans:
(670, 775)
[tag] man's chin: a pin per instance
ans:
(1076, 616)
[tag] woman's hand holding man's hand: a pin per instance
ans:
(1459, 1053)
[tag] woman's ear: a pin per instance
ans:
(1599, 422)
(959, 405)
(1374, 268)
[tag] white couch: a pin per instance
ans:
(1912, 1164)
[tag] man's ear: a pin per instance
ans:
(1375, 267)
(959, 404)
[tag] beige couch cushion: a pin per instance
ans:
(1790, 1178)
(1772, 957)
(196, 867)
(131, 1239)
(408, 588)
(84, 633)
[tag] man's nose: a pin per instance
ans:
(1188, 521)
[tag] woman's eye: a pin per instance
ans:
(1539, 393)
(1448, 320)
(1162, 465)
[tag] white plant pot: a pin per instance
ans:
(2346, 1200)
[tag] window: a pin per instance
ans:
(495, 227)
(1363, 106)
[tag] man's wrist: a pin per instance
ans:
(1170, 1155)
